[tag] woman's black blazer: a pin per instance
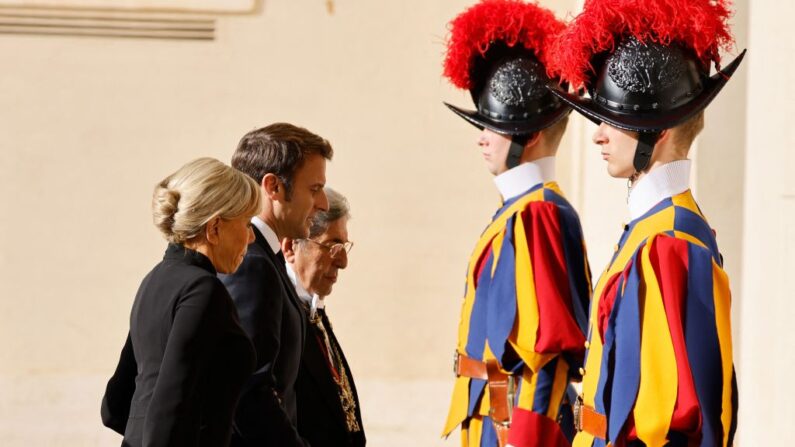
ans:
(185, 361)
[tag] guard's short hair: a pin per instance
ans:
(554, 133)
(685, 133)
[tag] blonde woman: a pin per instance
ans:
(186, 357)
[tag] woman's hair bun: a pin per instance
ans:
(165, 206)
(199, 191)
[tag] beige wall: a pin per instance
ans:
(767, 308)
(87, 126)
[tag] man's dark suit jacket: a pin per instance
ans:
(321, 419)
(271, 315)
(185, 360)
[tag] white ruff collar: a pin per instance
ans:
(660, 183)
(519, 179)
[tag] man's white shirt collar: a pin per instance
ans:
(314, 301)
(268, 233)
(519, 179)
(660, 183)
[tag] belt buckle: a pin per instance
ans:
(505, 423)
(511, 395)
(577, 412)
(456, 357)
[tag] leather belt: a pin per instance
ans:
(589, 420)
(469, 367)
(502, 390)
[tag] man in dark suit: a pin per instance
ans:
(328, 405)
(289, 163)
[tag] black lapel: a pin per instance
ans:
(260, 240)
(278, 262)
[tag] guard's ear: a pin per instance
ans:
(665, 135)
(533, 140)
(665, 140)
(273, 187)
(212, 231)
(288, 248)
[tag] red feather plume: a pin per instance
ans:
(510, 21)
(701, 25)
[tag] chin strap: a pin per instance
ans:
(643, 153)
(516, 150)
(644, 150)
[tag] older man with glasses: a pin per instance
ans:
(328, 406)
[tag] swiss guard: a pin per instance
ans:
(658, 369)
(524, 312)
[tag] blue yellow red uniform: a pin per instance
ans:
(525, 305)
(659, 369)
(659, 360)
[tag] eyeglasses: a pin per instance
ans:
(335, 250)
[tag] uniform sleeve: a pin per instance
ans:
(194, 333)
(542, 274)
(668, 334)
(537, 286)
(119, 391)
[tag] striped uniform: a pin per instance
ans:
(526, 300)
(659, 359)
